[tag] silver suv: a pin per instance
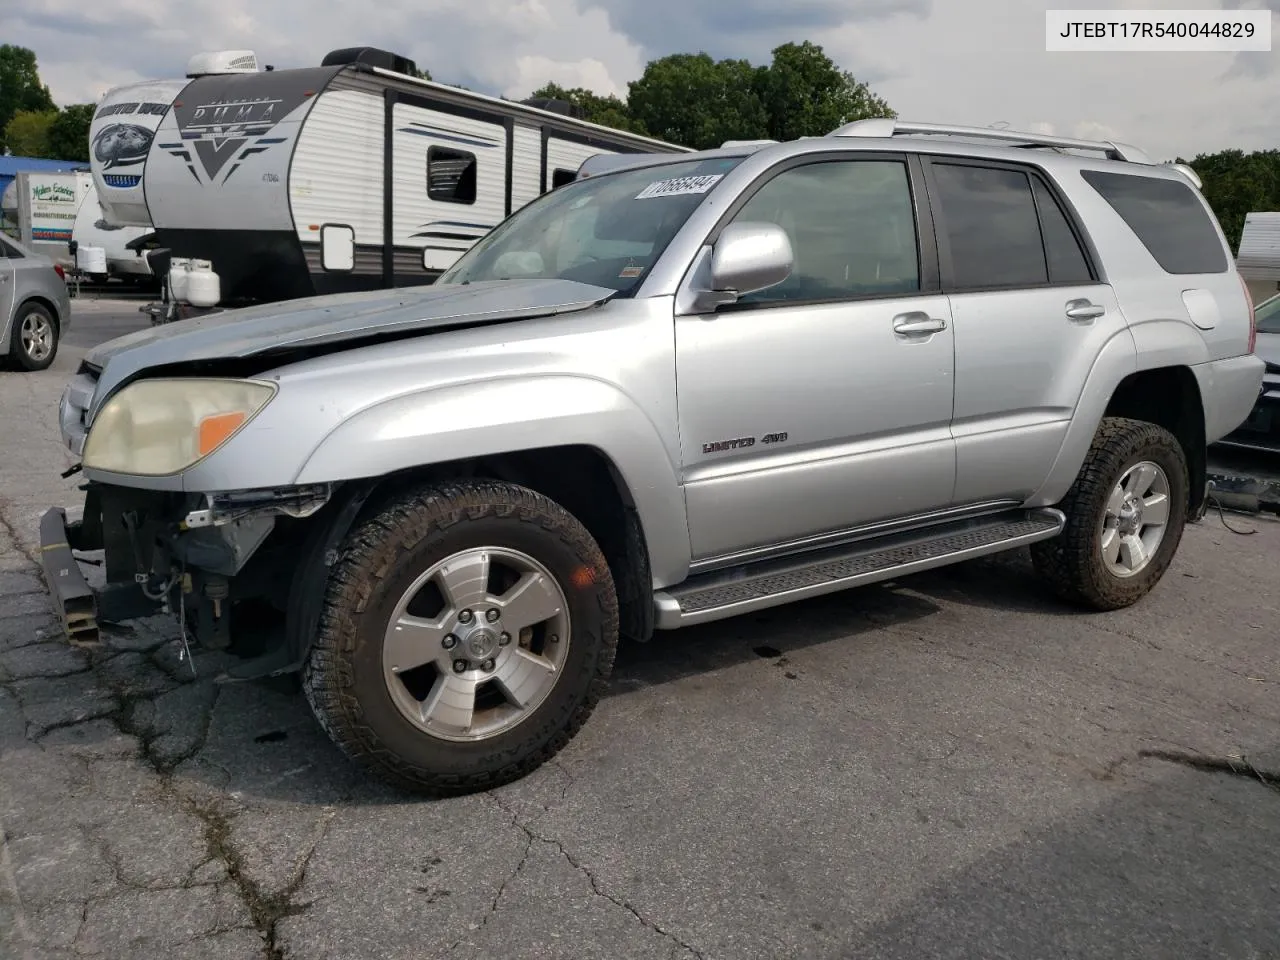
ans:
(678, 389)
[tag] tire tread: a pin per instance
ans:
(369, 557)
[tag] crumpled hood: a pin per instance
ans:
(333, 319)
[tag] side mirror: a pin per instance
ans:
(747, 257)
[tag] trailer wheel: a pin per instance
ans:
(468, 632)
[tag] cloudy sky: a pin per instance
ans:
(961, 61)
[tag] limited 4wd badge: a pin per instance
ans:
(680, 185)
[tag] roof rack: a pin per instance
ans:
(886, 127)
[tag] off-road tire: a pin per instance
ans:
(343, 680)
(17, 355)
(1071, 563)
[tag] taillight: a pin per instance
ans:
(1253, 317)
(62, 274)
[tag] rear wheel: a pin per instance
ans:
(1125, 517)
(469, 630)
(35, 337)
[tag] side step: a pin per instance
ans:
(727, 593)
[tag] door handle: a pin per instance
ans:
(917, 323)
(1084, 311)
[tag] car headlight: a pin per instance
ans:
(154, 428)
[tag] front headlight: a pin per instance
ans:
(154, 428)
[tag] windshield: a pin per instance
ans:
(1268, 315)
(606, 230)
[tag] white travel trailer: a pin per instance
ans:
(347, 176)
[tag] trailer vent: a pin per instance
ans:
(372, 57)
(562, 107)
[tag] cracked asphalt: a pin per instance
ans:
(950, 766)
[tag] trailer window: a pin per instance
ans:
(562, 176)
(451, 175)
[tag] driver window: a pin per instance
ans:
(852, 230)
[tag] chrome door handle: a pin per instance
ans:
(1083, 310)
(917, 323)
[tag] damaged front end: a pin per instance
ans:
(192, 555)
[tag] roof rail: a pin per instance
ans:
(886, 127)
(746, 143)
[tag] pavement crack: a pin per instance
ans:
(596, 886)
(10, 892)
(1236, 766)
(266, 908)
(7, 527)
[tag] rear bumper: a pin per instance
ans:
(1229, 391)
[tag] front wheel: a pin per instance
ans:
(468, 631)
(1125, 515)
(35, 337)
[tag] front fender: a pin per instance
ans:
(490, 417)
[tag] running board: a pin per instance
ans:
(717, 596)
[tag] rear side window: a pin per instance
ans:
(991, 227)
(1067, 262)
(1167, 217)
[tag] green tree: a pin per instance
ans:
(607, 111)
(1236, 183)
(692, 100)
(20, 88)
(69, 133)
(27, 133)
(805, 94)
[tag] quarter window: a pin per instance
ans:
(451, 175)
(1167, 217)
(852, 229)
(991, 227)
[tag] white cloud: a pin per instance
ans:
(978, 62)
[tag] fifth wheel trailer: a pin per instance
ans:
(352, 175)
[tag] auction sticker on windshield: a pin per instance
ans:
(680, 185)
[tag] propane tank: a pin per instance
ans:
(178, 267)
(204, 287)
(91, 261)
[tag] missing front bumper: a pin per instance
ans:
(75, 602)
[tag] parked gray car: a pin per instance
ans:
(35, 306)
(679, 389)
